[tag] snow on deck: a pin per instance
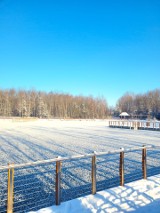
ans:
(138, 196)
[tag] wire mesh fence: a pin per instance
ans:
(3, 191)
(41, 184)
(75, 178)
(107, 171)
(153, 161)
(133, 166)
(34, 187)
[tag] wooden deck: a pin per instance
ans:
(135, 125)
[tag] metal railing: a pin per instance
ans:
(136, 125)
(45, 181)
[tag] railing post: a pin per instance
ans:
(94, 174)
(121, 168)
(144, 162)
(10, 190)
(58, 182)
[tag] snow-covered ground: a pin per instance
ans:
(43, 139)
(22, 142)
(142, 196)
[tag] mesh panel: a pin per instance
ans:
(34, 187)
(153, 162)
(75, 178)
(132, 166)
(107, 171)
(3, 191)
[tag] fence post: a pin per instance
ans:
(121, 167)
(144, 162)
(10, 190)
(58, 182)
(94, 174)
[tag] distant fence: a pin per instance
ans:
(24, 119)
(136, 125)
(35, 185)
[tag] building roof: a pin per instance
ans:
(124, 114)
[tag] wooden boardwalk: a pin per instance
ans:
(136, 125)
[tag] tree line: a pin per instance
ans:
(145, 105)
(32, 103)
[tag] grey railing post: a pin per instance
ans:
(94, 174)
(121, 167)
(10, 190)
(144, 162)
(58, 182)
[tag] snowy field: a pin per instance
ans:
(22, 142)
(43, 139)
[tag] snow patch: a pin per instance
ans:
(138, 196)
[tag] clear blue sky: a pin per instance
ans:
(81, 47)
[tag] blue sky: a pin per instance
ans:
(99, 48)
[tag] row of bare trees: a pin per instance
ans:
(32, 103)
(141, 105)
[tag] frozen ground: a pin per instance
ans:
(44, 139)
(22, 142)
(142, 196)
